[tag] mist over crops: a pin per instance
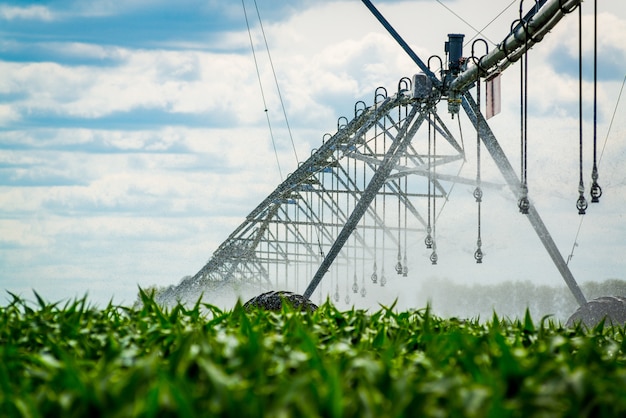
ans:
(446, 298)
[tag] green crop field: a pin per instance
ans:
(74, 360)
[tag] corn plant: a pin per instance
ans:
(76, 360)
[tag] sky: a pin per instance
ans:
(134, 138)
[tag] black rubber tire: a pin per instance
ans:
(610, 308)
(273, 301)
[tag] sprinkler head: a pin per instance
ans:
(581, 205)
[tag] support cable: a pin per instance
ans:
(478, 32)
(581, 202)
(280, 96)
(580, 224)
(619, 97)
(258, 73)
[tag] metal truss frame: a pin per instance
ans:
(330, 212)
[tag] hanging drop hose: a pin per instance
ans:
(581, 202)
(335, 208)
(523, 203)
(433, 256)
(355, 286)
(478, 193)
(383, 279)
(405, 267)
(596, 190)
(398, 266)
(333, 220)
(320, 210)
(429, 239)
(374, 276)
(363, 291)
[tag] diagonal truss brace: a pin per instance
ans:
(393, 154)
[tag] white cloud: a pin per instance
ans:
(186, 82)
(86, 50)
(22, 234)
(43, 13)
(8, 115)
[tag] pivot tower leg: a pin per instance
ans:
(499, 157)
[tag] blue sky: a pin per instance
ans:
(133, 138)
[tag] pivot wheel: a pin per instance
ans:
(610, 308)
(273, 301)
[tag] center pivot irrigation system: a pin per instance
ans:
(346, 216)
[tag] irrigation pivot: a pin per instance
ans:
(341, 223)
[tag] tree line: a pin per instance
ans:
(511, 298)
